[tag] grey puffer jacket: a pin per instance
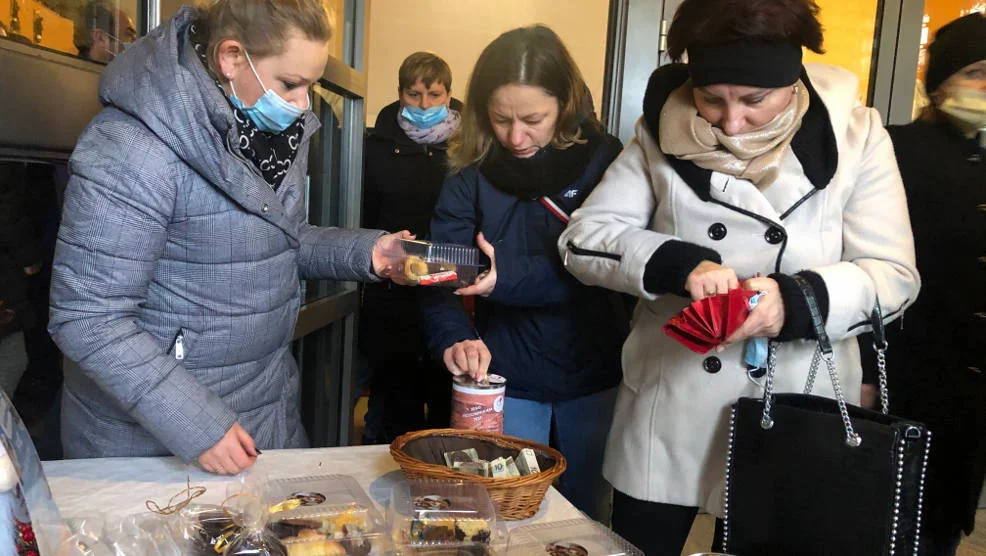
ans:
(167, 229)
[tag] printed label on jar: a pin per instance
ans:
(478, 406)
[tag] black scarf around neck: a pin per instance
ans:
(271, 153)
(549, 171)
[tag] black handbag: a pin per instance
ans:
(809, 475)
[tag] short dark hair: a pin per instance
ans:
(425, 66)
(721, 21)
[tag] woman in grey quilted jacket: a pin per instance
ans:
(184, 239)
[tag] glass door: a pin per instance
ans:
(853, 40)
(325, 335)
(937, 14)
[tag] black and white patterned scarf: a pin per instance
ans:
(272, 153)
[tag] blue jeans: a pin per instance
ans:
(578, 429)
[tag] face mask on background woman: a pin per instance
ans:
(425, 118)
(966, 108)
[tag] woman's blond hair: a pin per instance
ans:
(527, 56)
(263, 26)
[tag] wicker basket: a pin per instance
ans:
(515, 497)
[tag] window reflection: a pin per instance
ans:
(325, 196)
(30, 363)
(937, 13)
(96, 30)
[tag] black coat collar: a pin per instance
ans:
(814, 144)
(387, 129)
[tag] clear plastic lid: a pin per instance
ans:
(328, 514)
(201, 527)
(440, 264)
(450, 514)
(575, 537)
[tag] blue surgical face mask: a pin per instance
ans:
(423, 118)
(270, 113)
(123, 45)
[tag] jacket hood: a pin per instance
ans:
(161, 82)
(814, 144)
(386, 126)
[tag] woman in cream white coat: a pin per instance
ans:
(747, 169)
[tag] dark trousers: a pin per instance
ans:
(408, 392)
(42, 379)
(655, 528)
(940, 544)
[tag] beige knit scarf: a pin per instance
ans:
(755, 156)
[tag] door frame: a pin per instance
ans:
(640, 27)
(633, 26)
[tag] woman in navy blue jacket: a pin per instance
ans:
(528, 152)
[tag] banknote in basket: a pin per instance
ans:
(512, 467)
(527, 462)
(460, 456)
(481, 468)
(498, 468)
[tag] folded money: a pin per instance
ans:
(461, 456)
(527, 462)
(498, 468)
(481, 468)
(512, 467)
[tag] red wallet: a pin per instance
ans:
(707, 322)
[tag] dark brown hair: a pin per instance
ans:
(720, 21)
(425, 66)
(528, 56)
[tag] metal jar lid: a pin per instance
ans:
(491, 382)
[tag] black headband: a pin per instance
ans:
(754, 64)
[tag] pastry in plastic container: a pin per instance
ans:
(203, 527)
(248, 508)
(328, 514)
(440, 264)
(443, 517)
(575, 537)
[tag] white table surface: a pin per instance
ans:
(120, 486)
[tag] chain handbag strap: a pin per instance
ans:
(816, 360)
(826, 353)
(880, 345)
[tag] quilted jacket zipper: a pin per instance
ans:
(179, 345)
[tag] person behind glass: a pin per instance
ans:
(28, 222)
(184, 239)
(20, 259)
(108, 29)
(937, 354)
(404, 171)
(528, 152)
(747, 170)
